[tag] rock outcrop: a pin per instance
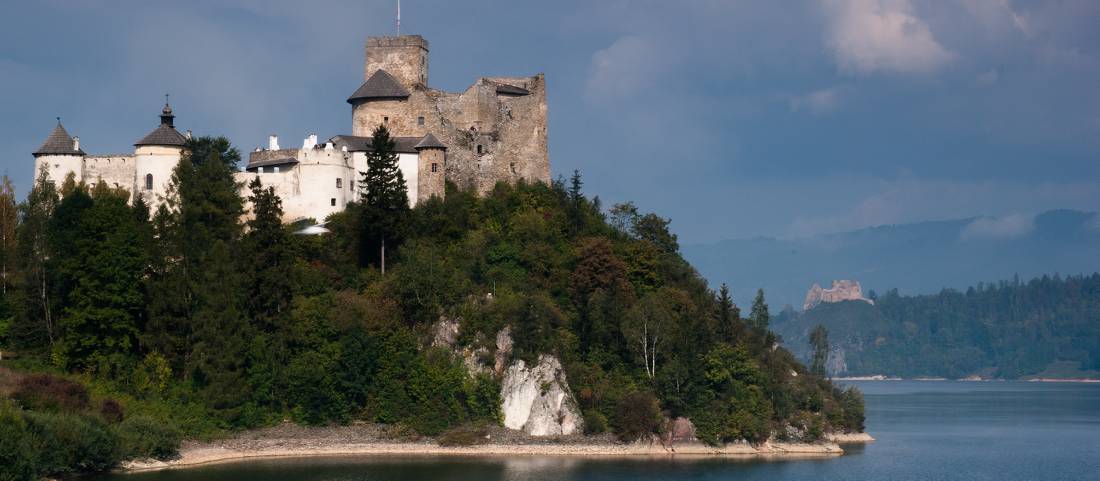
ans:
(840, 291)
(537, 399)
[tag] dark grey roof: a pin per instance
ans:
(381, 85)
(58, 142)
(163, 135)
(429, 142)
(403, 145)
(265, 163)
(512, 90)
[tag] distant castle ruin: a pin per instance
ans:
(842, 290)
(494, 131)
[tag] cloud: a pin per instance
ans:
(987, 78)
(817, 102)
(868, 36)
(627, 67)
(1005, 227)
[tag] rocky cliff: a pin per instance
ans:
(537, 399)
(842, 290)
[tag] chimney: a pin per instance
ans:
(76, 143)
(310, 142)
(328, 146)
(273, 142)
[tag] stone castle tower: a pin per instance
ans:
(494, 131)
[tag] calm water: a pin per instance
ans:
(925, 430)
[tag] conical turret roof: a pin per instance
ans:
(59, 142)
(166, 133)
(380, 85)
(429, 142)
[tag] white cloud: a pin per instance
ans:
(817, 102)
(867, 36)
(1005, 227)
(627, 67)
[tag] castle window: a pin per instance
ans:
(332, 202)
(420, 121)
(513, 167)
(148, 181)
(260, 169)
(339, 183)
(435, 167)
(275, 169)
(478, 149)
(385, 120)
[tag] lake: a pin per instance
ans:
(926, 430)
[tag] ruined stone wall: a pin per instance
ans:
(432, 169)
(510, 129)
(842, 290)
(404, 57)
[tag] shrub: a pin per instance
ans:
(638, 414)
(43, 392)
(68, 443)
(594, 422)
(144, 437)
(17, 461)
(465, 435)
(111, 411)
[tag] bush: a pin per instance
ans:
(594, 422)
(43, 392)
(144, 437)
(638, 415)
(69, 443)
(17, 462)
(111, 411)
(465, 435)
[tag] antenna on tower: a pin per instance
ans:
(398, 18)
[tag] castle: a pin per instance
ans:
(843, 290)
(494, 131)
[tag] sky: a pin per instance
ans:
(734, 119)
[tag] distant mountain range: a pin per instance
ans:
(915, 258)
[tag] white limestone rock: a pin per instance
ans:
(537, 399)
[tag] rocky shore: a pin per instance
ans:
(371, 440)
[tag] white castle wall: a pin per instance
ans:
(115, 170)
(59, 166)
(159, 162)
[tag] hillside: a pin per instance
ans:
(920, 258)
(1046, 327)
(200, 324)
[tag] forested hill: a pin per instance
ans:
(188, 321)
(1045, 327)
(920, 258)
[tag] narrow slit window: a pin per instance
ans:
(339, 183)
(435, 167)
(385, 120)
(148, 181)
(332, 202)
(420, 121)
(479, 149)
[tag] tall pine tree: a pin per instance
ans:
(384, 199)
(33, 326)
(759, 316)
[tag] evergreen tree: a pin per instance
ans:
(34, 324)
(9, 218)
(270, 258)
(759, 317)
(729, 315)
(819, 342)
(100, 318)
(384, 199)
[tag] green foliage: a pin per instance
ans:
(196, 322)
(145, 437)
(17, 455)
(759, 318)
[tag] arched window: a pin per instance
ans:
(148, 181)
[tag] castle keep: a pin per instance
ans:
(494, 131)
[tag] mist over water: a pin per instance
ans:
(925, 430)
